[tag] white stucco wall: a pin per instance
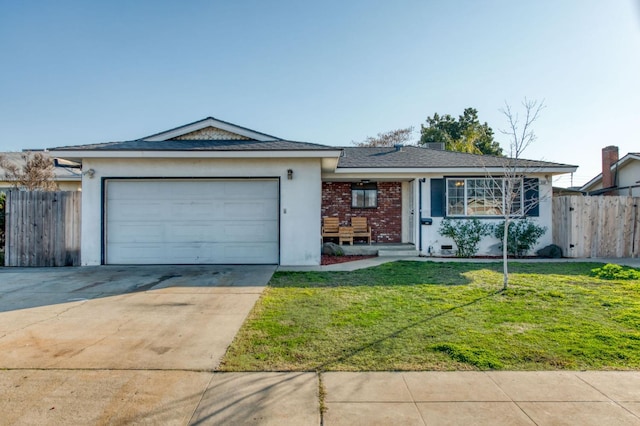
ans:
(489, 246)
(299, 203)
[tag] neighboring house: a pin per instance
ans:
(572, 190)
(215, 192)
(620, 176)
(67, 178)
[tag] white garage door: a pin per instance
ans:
(166, 221)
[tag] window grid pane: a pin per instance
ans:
(370, 198)
(455, 197)
(483, 196)
(364, 198)
(357, 198)
(516, 202)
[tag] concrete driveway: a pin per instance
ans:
(109, 317)
(117, 345)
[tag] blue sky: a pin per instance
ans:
(329, 72)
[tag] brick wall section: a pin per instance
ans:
(385, 220)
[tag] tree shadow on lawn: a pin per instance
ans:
(346, 354)
(423, 273)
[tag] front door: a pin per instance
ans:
(408, 212)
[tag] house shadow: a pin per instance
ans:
(455, 272)
(25, 288)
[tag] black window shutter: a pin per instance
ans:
(438, 198)
(531, 197)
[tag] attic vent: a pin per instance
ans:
(439, 146)
(398, 147)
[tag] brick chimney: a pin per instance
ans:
(609, 158)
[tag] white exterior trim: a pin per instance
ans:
(404, 171)
(197, 154)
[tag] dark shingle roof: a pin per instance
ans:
(418, 157)
(199, 145)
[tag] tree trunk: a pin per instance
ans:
(505, 265)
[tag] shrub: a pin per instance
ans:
(522, 236)
(615, 272)
(466, 233)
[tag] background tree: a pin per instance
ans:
(36, 174)
(514, 185)
(466, 134)
(391, 138)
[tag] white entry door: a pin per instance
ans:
(196, 221)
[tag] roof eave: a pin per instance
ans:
(303, 153)
(432, 170)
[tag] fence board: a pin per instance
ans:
(42, 228)
(597, 226)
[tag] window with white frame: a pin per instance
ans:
(483, 196)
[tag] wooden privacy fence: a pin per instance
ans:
(42, 228)
(597, 226)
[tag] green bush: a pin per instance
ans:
(615, 272)
(466, 233)
(522, 236)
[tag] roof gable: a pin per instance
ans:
(198, 130)
(210, 134)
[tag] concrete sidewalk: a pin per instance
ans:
(74, 397)
(482, 398)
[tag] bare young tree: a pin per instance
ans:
(3, 200)
(514, 186)
(34, 174)
(391, 138)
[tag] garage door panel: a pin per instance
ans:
(248, 232)
(249, 253)
(142, 253)
(192, 221)
(132, 209)
(258, 190)
(250, 209)
(135, 232)
(149, 232)
(194, 210)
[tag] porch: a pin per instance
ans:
(388, 207)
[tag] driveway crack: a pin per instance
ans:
(49, 318)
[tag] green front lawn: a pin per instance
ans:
(442, 316)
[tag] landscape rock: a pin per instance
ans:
(332, 249)
(551, 251)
